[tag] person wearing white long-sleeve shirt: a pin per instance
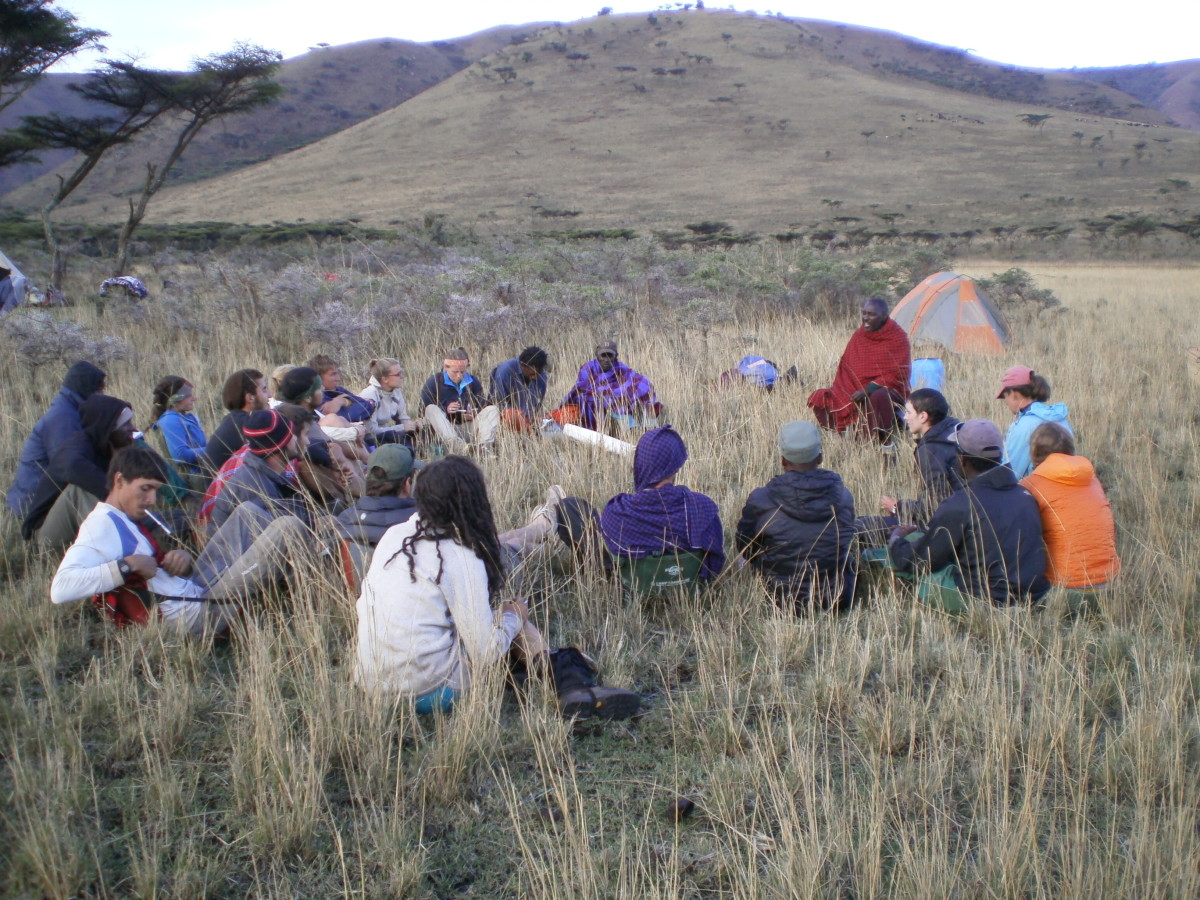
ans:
(112, 551)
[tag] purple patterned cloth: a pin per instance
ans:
(620, 390)
(671, 517)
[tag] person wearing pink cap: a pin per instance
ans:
(1025, 394)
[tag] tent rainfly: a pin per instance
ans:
(950, 310)
(11, 300)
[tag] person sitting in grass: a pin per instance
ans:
(1077, 520)
(797, 530)
(519, 387)
(433, 614)
(388, 501)
(871, 380)
(456, 408)
(927, 417)
(117, 563)
(244, 392)
(1026, 394)
(261, 480)
(173, 415)
(390, 423)
(334, 443)
(985, 540)
(609, 395)
(57, 424)
(68, 489)
(661, 516)
(336, 400)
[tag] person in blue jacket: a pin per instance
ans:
(338, 400)
(173, 415)
(1025, 394)
(58, 423)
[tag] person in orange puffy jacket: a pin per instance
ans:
(1077, 521)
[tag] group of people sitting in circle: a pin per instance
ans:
(303, 472)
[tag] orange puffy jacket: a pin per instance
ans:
(1077, 522)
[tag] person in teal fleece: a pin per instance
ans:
(1025, 394)
(174, 401)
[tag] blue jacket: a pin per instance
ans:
(991, 531)
(357, 410)
(1016, 441)
(185, 439)
(60, 421)
(257, 483)
(510, 390)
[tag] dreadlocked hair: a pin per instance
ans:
(452, 504)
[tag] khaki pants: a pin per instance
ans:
(62, 523)
(481, 431)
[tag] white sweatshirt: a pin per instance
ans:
(417, 636)
(391, 412)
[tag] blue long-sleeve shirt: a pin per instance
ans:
(185, 438)
(510, 390)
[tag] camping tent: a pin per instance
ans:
(17, 281)
(950, 310)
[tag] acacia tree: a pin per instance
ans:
(136, 103)
(33, 37)
(219, 85)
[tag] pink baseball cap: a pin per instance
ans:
(1017, 376)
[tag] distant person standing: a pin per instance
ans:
(456, 408)
(519, 387)
(871, 380)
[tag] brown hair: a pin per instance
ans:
(1049, 438)
(237, 386)
(1037, 390)
(323, 363)
(165, 394)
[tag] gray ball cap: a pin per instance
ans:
(800, 442)
(981, 438)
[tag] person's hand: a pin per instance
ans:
(410, 425)
(888, 504)
(453, 406)
(468, 415)
(740, 562)
(177, 562)
(143, 565)
(520, 607)
(858, 395)
(900, 532)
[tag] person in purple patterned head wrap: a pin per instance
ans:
(662, 515)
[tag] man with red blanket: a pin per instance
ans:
(871, 379)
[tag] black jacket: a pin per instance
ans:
(369, 518)
(941, 472)
(227, 439)
(797, 532)
(991, 530)
(438, 392)
(81, 459)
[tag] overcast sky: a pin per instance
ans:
(1037, 33)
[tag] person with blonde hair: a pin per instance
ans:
(390, 423)
(1077, 520)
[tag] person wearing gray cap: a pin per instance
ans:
(985, 540)
(388, 501)
(797, 530)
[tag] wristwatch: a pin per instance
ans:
(124, 568)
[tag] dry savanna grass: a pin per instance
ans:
(893, 751)
(756, 121)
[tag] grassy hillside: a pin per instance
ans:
(663, 120)
(1171, 88)
(325, 91)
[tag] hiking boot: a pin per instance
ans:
(607, 703)
(580, 696)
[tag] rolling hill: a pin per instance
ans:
(661, 120)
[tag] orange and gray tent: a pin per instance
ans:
(950, 310)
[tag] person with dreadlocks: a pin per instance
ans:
(872, 376)
(431, 617)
